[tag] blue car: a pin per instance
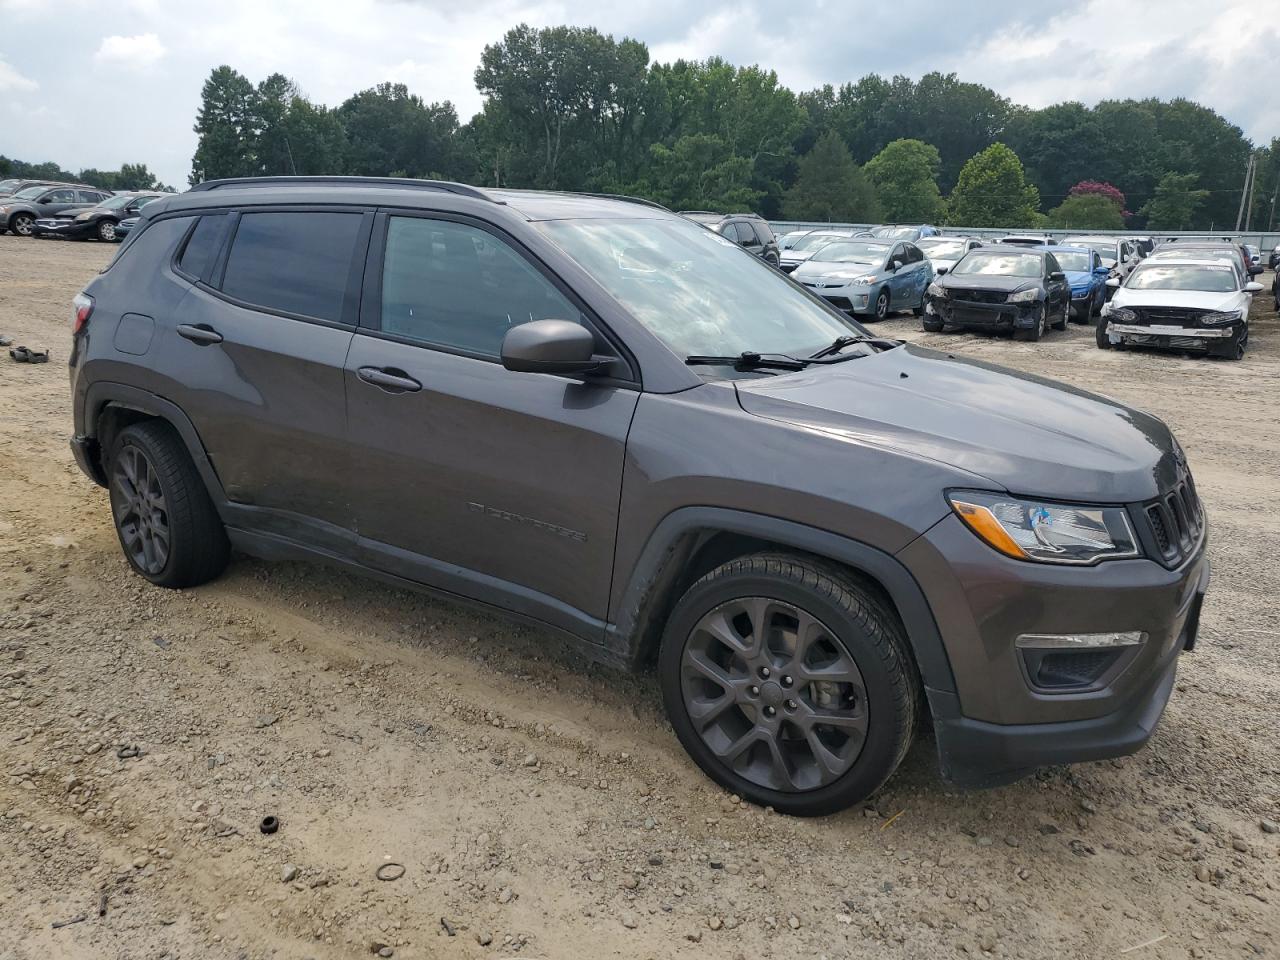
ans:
(124, 226)
(869, 278)
(1087, 276)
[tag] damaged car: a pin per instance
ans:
(1004, 290)
(1197, 304)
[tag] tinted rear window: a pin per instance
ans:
(295, 262)
(202, 247)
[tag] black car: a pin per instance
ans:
(999, 289)
(748, 230)
(19, 213)
(80, 223)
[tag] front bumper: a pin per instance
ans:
(1168, 336)
(984, 316)
(997, 726)
(61, 228)
(849, 297)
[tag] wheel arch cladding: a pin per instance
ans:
(116, 405)
(692, 541)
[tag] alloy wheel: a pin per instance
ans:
(141, 513)
(106, 230)
(22, 225)
(774, 694)
(882, 305)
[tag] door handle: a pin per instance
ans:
(202, 334)
(389, 379)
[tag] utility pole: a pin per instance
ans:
(1253, 183)
(1244, 191)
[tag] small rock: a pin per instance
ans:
(629, 921)
(793, 922)
(987, 941)
(506, 895)
(484, 939)
(288, 873)
(1202, 873)
(715, 923)
(1269, 826)
(1088, 806)
(529, 761)
(386, 952)
(655, 860)
(1238, 845)
(266, 720)
(984, 841)
(1012, 841)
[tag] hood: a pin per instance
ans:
(1079, 278)
(1023, 433)
(986, 281)
(72, 212)
(795, 256)
(1190, 299)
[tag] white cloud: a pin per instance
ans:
(137, 52)
(11, 81)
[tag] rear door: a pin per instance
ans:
(746, 237)
(470, 477)
(257, 356)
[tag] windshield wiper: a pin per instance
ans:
(839, 343)
(747, 360)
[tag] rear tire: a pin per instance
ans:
(932, 324)
(167, 525)
(739, 631)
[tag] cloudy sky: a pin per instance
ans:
(94, 83)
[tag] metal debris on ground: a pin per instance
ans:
(66, 923)
(390, 871)
(448, 927)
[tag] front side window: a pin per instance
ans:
(453, 285)
(61, 196)
(296, 262)
(694, 291)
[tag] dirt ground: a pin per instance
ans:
(540, 806)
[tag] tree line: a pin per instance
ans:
(131, 176)
(570, 108)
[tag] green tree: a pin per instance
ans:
(905, 176)
(1086, 211)
(225, 126)
(831, 186)
(1175, 203)
(699, 172)
(992, 192)
(390, 131)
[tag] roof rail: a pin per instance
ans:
(627, 199)
(397, 182)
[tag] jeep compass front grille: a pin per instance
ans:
(1176, 521)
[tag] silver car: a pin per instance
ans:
(945, 252)
(802, 248)
(1118, 255)
(868, 277)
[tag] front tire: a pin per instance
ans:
(882, 305)
(22, 224)
(932, 324)
(107, 231)
(1036, 332)
(789, 683)
(1100, 334)
(167, 525)
(1061, 324)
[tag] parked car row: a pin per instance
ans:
(101, 221)
(41, 208)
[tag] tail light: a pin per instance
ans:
(83, 305)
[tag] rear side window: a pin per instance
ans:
(459, 287)
(202, 246)
(763, 233)
(294, 262)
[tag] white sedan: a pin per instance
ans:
(1199, 304)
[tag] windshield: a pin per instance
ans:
(117, 203)
(1211, 278)
(1000, 264)
(30, 193)
(851, 251)
(894, 233)
(942, 249)
(696, 291)
(1078, 262)
(812, 241)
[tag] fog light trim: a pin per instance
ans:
(1080, 641)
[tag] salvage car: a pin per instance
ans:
(100, 221)
(596, 417)
(1118, 255)
(19, 212)
(747, 230)
(789, 239)
(805, 247)
(1018, 291)
(1087, 277)
(945, 252)
(1027, 240)
(908, 233)
(1196, 304)
(870, 278)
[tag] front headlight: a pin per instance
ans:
(1046, 532)
(1121, 315)
(1221, 318)
(936, 291)
(1025, 296)
(863, 281)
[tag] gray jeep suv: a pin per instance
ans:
(599, 417)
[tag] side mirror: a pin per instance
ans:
(551, 346)
(1101, 272)
(1253, 286)
(1057, 275)
(1113, 283)
(895, 266)
(941, 270)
